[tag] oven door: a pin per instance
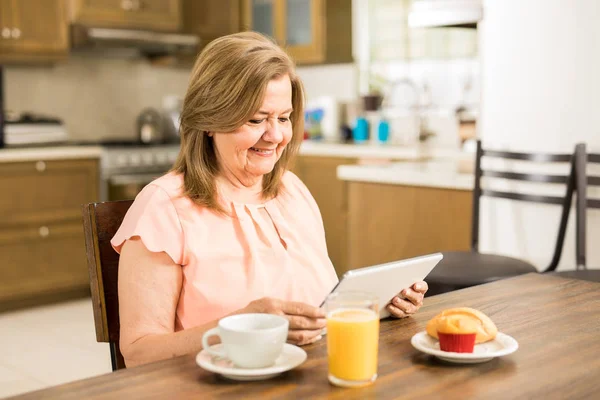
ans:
(127, 186)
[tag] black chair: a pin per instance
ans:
(461, 269)
(583, 180)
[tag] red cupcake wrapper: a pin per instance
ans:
(457, 343)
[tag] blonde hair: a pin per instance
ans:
(226, 89)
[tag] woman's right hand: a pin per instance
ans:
(306, 322)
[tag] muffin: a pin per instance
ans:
(456, 333)
(459, 329)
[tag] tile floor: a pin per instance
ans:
(49, 345)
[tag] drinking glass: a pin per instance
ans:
(352, 338)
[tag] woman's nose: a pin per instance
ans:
(273, 133)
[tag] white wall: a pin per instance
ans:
(540, 92)
(99, 98)
(96, 97)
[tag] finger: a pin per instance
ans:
(306, 310)
(303, 336)
(414, 297)
(406, 306)
(298, 322)
(396, 312)
(316, 339)
(420, 287)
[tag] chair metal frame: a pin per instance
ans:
(583, 158)
(565, 202)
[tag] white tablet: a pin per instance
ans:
(387, 280)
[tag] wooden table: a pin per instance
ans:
(555, 320)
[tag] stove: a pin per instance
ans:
(126, 167)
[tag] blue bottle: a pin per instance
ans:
(360, 133)
(383, 131)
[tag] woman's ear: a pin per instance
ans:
(210, 134)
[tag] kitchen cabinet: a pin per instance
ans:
(158, 15)
(42, 251)
(32, 30)
(312, 31)
(393, 222)
(319, 174)
(210, 19)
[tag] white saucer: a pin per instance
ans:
(500, 346)
(290, 358)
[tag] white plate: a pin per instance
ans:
(290, 358)
(500, 346)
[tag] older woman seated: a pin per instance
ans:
(229, 230)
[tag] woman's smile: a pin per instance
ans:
(262, 152)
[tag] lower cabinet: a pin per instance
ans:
(393, 222)
(371, 223)
(42, 250)
(319, 174)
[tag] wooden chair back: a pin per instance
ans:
(564, 201)
(100, 223)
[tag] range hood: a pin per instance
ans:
(148, 43)
(445, 13)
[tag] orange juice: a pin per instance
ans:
(352, 343)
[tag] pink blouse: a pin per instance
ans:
(229, 261)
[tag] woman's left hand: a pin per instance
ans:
(408, 301)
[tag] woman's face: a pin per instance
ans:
(252, 150)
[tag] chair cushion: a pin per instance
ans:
(464, 268)
(592, 275)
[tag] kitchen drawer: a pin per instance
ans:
(39, 191)
(42, 259)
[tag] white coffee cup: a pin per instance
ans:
(249, 340)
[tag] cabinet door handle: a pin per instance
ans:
(16, 33)
(44, 231)
(127, 5)
(40, 166)
(5, 33)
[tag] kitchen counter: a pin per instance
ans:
(381, 151)
(50, 153)
(444, 174)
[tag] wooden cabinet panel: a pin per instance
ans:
(304, 24)
(393, 222)
(33, 30)
(211, 19)
(139, 14)
(42, 248)
(319, 174)
(48, 190)
(312, 31)
(42, 258)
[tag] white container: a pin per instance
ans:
(331, 123)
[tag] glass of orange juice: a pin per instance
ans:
(352, 338)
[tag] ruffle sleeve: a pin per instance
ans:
(154, 219)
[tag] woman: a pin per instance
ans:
(229, 230)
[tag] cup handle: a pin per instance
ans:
(207, 347)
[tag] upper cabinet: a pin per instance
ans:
(158, 15)
(210, 19)
(33, 30)
(312, 31)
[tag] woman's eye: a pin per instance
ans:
(256, 121)
(286, 119)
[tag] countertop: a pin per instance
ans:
(381, 151)
(446, 174)
(64, 152)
